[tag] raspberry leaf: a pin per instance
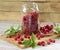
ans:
(34, 43)
(7, 30)
(19, 28)
(27, 43)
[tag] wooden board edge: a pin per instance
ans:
(20, 46)
(11, 41)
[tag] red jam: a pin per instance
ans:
(30, 23)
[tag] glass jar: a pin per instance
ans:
(30, 15)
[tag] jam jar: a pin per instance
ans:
(30, 18)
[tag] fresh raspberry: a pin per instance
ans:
(18, 35)
(22, 39)
(42, 35)
(39, 43)
(19, 42)
(9, 36)
(38, 37)
(42, 43)
(52, 40)
(48, 42)
(25, 36)
(28, 37)
(15, 38)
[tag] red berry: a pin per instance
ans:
(18, 35)
(47, 26)
(39, 43)
(15, 38)
(24, 18)
(37, 34)
(19, 42)
(38, 37)
(52, 40)
(51, 26)
(48, 42)
(9, 36)
(42, 28)
(22, 39)
(25, 36)
(42, 35)
(43, 44)
(46, 32)
(28, 37)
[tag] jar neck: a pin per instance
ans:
(30, 7)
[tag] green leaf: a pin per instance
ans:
(12, 31)
(19, 27)
(57, 28)
(33, 37)
(7, 30)
(34, 43)
(27, 43)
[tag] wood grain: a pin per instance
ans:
(26, 0)
(50, 17)
(17, 6)
(10, 10)
(16, 16)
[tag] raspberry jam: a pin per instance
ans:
(30, 23)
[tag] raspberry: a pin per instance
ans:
(39, 43)
(22, 39)
(19, 42)
(46, 29)
(18, 35)
(25, 36)
(15, 38)
(28, 37)
(48, 42)
(42, 43)
(52, 40)
(42, 35)
(9, 36)
(38, 37)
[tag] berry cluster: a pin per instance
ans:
(20, 38)
(43, 43)
(46, 29)
(38, 35)
(30, 23)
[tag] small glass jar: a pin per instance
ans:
(30, 15)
